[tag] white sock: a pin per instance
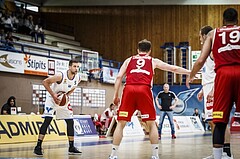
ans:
(217, 153)
(155, 150)
(114, 150)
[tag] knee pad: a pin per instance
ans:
(46, 123)
(70, 130)
(219, 133)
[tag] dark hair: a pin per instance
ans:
(111, 105)
(230, 15)
(73, 61)
(206, 29)
(144, 45)
(9, 100)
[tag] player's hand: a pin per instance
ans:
(56, 99)
(116, 101)
(189, 80)
(200, 95)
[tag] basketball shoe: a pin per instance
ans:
(209, 157)
(154, 157)
(74, 151)
(224, 156)
(113, 157)
(38, 151)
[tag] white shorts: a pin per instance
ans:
(62, 112)
(208, 106)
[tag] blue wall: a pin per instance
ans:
(187, 97)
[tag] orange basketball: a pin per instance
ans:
(63, 99)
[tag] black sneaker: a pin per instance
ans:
(74, 151)
(38, 151)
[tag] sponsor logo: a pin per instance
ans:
(209, 105)
(237, 114)
(130, 124)
(14, 129)
(65, 81)
(123, 114)
(48, 109)
(144, 116)
(34, 64)
(218, 114)
(184, 97)
(9, 62)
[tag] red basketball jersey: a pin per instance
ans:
(139, 70)
(226, 46)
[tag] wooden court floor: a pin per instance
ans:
(185, 146)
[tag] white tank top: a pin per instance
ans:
(208, 73)
(66, 84)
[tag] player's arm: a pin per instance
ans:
(49, 81)
(200, 95)
(118, 81)
(206, 50)
(167, 67)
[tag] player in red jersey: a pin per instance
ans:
(224, 42)
(137, 93)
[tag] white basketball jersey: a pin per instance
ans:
(208, 73)
(66, 84)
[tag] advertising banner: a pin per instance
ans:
(83, 125)
(11, 62)
(132, 128)
(25, 128)
(55, 66)
(35, 65)
(109, 74)
(182, 124)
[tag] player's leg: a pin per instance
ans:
(42, 132)
(117, 138)
(48, 116)
(153, 136)
(227, 145)
(126, 109)
(223, 101)
(70, 133)
(218, 139)
(146, 106)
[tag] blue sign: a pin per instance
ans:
(84, 126)
(187, 99)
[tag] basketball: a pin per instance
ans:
(63, 99)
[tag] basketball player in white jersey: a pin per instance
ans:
(208, 76)
(64, 82)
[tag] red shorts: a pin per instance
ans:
(226, 92)
(137, 97)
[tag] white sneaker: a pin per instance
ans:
(209, 157)
(113, 157)
(225, 156)
(154, 157)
